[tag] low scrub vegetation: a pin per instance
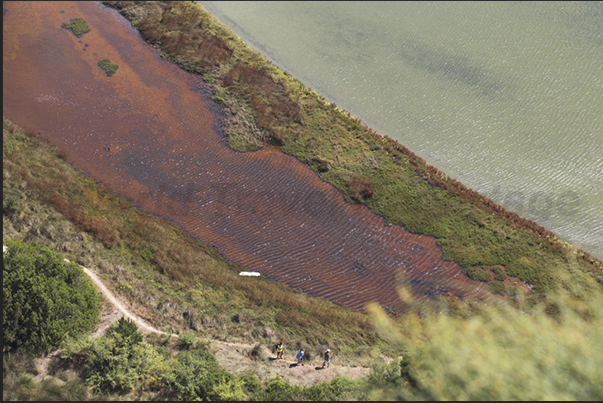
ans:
(479, 274)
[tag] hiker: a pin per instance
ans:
(279, 350)
(300, 356)
(327, 358)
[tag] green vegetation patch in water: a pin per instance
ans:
(110, 68)
(78, 26)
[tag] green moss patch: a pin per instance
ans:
(110, 68)
(78, 26)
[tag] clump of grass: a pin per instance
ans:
(78, 26)
(477, 273)
(110, 68)
(497, 287)
(257, 353)
(499, 274)
(361, 188)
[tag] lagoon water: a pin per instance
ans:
(506, 97)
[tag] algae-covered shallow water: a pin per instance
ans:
(506, 97)
(150, 133)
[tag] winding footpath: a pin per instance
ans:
(141, 323)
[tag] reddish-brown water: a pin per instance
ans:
(150, 133)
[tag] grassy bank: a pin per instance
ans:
(266, 105)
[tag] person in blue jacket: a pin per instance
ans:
(300, 356)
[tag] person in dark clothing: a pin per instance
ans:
(327, 360)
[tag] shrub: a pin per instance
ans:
(337, 389)
(499, 274)
(361, 188)
(229, 390)
(250, 383)
(119, 360)
(278, 390)
(186, 340)
(10, 205)
(125, 332)
(478, 274)
(45, 299)
(193, 376)
(497, 287)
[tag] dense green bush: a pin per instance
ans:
(120, 360)
(186, 340)
(337, 389)
(45, 299)
(499, 274)
(278, 390)
(497, 287)
(478, 274)
(251, 384)
(194, 375)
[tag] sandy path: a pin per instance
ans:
(141, 323)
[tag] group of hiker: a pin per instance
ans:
(280, 349)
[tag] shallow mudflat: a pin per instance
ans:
(151, 133)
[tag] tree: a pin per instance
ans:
(45, 299)
(195, 375)
(120, 360)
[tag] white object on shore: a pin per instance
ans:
(249, 273)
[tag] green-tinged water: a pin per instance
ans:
(506, 97)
